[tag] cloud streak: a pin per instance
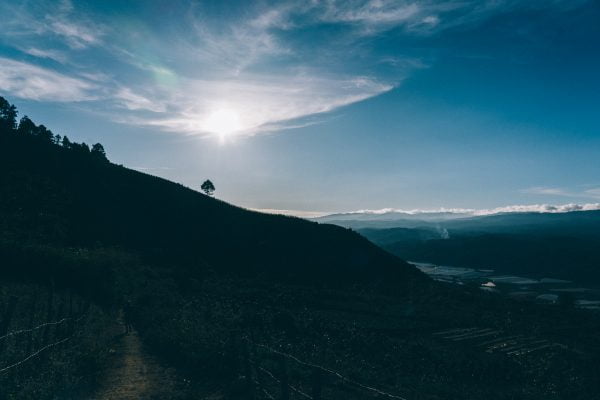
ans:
(55, 55)
(35, 83)
(247, 65)
(530, 208)
(590, 192)
(261, 104)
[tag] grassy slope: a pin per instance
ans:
(70, 200)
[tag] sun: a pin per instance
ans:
(223, 122)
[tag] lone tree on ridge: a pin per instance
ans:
(207, 187)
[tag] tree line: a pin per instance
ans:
(27, 128)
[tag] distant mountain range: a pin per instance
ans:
(563, 241)
(572, 218)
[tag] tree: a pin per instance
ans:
(8, 116)
(82, 147)
(207, 187)
(98, 152)
(45, 134)
(66, 143)
(27, 127)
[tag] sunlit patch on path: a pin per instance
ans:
(136, 374)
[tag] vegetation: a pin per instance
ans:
(208, 188)
(76, 346)
(70, 219)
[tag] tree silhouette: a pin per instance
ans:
(26, 127)
(207, 187)
(66, 143)
(8, 115)
(45, 134)
(98, 152)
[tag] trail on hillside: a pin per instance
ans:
(136, 374)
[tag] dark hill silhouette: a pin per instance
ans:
(67, 197)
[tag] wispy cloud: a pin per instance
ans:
(55, 55)
(374, 12)
(44, 21)
(35, 83)
(76, 35)
(293, 213)
(590, 192)
(593, 192)
(78, 31)
(259, 103)
(144, 169)
(541, 190)
(246, 65)
(529, 208)
(134, 101)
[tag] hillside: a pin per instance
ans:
(56, 196)
(236, 302)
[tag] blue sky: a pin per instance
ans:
(323, 106)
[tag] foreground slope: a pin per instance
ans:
(54, 195)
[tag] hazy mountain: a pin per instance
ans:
(564, 245)
(466, 220)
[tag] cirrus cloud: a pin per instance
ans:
(247, 62)
(36, 83)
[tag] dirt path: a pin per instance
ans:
(136, 375)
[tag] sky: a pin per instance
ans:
(323, 106)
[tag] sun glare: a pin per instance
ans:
(224, 122)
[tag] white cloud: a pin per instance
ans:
(431, 20)
(541, 190)
(259, 103)
(371, 12)
(293, 213)
(35, 83)
(55, 55)
(78, 31)
(77, 36)
(234, 47)
(423, 16)
(29, 23)
(592, 192)
(541, 208)
(530, 208)
(243, 66)
(133, 101)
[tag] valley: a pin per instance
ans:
(543, 290)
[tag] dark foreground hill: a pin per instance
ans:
(226, 295)
(55, 196)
